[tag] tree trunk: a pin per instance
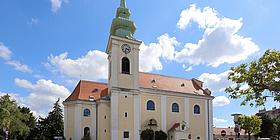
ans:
(249, 134)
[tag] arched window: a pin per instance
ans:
(175, 107)
(86, 112)
(125, 65)
(150, 105)
(196, 109)
(86, 132)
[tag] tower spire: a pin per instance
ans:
(122, 26)
(123, 4)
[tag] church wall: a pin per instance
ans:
(197, 121)
(104, 131)
(126, 105)
(70, 121)
(146, 115)
(175, 117)
(89, 121)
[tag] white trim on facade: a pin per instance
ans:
(114, 116)
(65, 121)
(187, 111)
(77, 122)
(163, 113)
(137, 117)
(173, 93)
(94, 123)
(206, 120)
(210, 120)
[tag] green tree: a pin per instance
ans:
(277, 128)
(160, 135)
(268, 127)
(30, 122)
(251, 124)
(147, 134)
(12, 119)
(52, 125)
(257, 80)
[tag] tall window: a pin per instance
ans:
(86, 112)
(150, 105)
(86, 132)
(196, 109)
(175, 107)
(125, 65)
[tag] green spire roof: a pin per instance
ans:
(122, 26)
(123, 4)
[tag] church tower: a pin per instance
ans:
(123, 51)
(123, 76)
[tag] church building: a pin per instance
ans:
(132, 101)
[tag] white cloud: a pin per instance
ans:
(150, 55)
(220, 42)
(56, 4)
(23, 83)
(5, 52)
(215, 82)
(42, 95)
(92, 66)
(19, 67)
(188, 69)
(205, 18)
(217, 120)
(220, 101)
(33, 21)
(167, 44)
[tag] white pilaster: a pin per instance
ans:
(94, 127)
(77, 122)
(187, 111)
(114, 116)
(206, 120)
(65, 121)
(210, 120)
(163, 112)
(136, 117)
(114, 65)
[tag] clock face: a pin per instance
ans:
(126, 48)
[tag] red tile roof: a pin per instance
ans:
(86, 89)
(167, 83)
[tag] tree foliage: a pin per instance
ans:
(22, 125)
(12, 119)
(52, 125)
(150, 134)
(257, 80)
(268, 127)
(160, 135)
(147, 134)
(251, 124)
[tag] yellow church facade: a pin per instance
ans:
(133, 101)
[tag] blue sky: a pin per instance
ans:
(46, 46)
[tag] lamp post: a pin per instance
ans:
(237, 127)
